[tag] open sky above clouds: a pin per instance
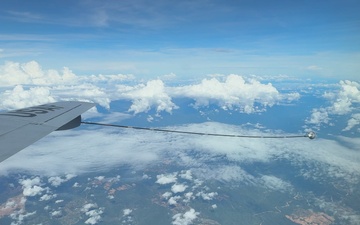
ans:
(186, 38)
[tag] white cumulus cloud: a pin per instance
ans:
(14, 73)
(166, 178)
(144, 97)
(56, 213)
(354, 121)
(18, 97)
(233, 93)
(345, 101)
(57, 181)
(178, 188)
(127, 212)
(207, 196)
(167, 195)
(32, 187)
(47, 197)
(319, 116)
(173, 200)
(28, 84)
(186, 174)
(185, 219)
(93, 212)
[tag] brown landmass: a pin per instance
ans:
(111, 191)
(12, 204)
(308, 217)
(124, 187)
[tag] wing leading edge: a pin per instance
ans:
(20, 128)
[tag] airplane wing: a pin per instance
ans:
(20, 128)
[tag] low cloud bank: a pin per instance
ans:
(27, 84)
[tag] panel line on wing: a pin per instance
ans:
(62, 113)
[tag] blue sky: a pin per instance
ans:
(187, 38)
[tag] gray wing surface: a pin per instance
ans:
(20, 128)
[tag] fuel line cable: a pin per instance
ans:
(311, 135)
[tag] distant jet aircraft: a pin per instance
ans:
(22, 127)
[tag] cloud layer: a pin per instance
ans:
(203, 158)
(27, 84)
(342, 102)
(50, 155)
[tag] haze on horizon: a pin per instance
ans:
(187, 38)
